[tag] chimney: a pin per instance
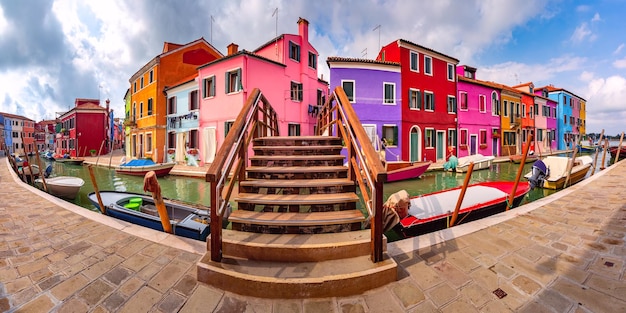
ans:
(232, 48)
(303, 29)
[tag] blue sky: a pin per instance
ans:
(56, 51)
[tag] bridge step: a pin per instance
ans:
(291, 222)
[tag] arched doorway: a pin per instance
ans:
(415, 146)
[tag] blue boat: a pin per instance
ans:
(186, 219)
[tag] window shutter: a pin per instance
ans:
(239, 80)
(212, 86)
(419, 99)
(227, 84)
(395, 135)
(410, 99)
(204, 91)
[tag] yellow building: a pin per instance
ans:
(583, 119)
(148, 105)
(511, 120)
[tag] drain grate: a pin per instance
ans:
(499, 293)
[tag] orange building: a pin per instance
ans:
(148, 106)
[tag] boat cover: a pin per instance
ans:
(139, 162)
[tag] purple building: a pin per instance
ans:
(373, 88)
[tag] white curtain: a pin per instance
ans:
(209, 144)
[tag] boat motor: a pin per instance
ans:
(539, 172)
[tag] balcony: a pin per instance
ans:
(130, 123)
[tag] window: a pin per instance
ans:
(390, 134)
(208, 87)
(227, 126)
(482, 106)
(463, 137)
(389, 90)
(134, 87)
(451, 104)
(463, 101)
(193, 100)
(148, 142)
(134, 111)
(523, 110)
(151, 76)
(141, 83)
(312, 60)
(429, 101)
(141, 109)
(483, 136)
(149, 106)
(564, 119)
(294, 130)
(452, 137)
(233, 81)
(415, 101)
(509, 139)
(429, 139)
(495, 104)
(450, 72)
(171, 140)
(294, 51)
(348, 87)
(296, 91)
(428, 65)
(506, 108)
(536, 106)
(321, 98)
(414, 61)
(539, 134)
(193, 139)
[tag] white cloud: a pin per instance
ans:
(513, 73)
(605, 107)
(621, 63)
(583, 8)
(4, 25)
(618, 49)
(582, 33)
(596, 17)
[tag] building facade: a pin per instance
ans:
(83, 129)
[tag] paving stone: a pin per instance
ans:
(613, 287)
(442, 294)
(502, 269)
(551, 299)
(203, 299)
(451, 274)
(137, 262)
(381, 300)
(318, 306)
(17, 285)
(72, 305)
(463, 261)
(526, 284)
(171, 303)
(94, 292)
(408, 293)
(42, 303)
(142, 301)
(68, 287)
(427, 277)
(166, 278)
(424, 307)
(117, 275)
(186, 285)
(113, 302)
(460, 305)
(588, 297)
(131, 286)
(5, 305)
(295, 306)
(476, 294)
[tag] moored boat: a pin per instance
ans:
(401, 170)
(72, 161)
(480, 162)
(517, 158)
(613, 152)
(587, 149)
(431, 212)
(63, 186)
(186, 220)
(140, 167)
(552, 171)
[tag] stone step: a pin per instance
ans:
(295, 222)
(297, 141)
(297, 150)
(297, 186)
(294, 280)
(297, 160)
(297, 172)
(295, 247)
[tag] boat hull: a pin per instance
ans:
(517, 159)
(159, 169)
(576, 176)
(397, 171)
(471, 210)
(70, 161)
(186, 221)
(622, 152)
(63, 186)
(480, 165)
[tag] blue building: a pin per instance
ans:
(568, 116)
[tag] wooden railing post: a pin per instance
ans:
(595, 158)
(377, 225)
(509, 205)
(619, 148)
(216, 224)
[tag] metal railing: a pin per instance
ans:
(256, 119)
(337, 117)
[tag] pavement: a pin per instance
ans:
(562, 253)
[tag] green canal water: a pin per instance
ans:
(196, 190)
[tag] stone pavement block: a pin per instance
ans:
(295, 306)
(495, 306)
(381, 300)
(451, 274)
(142, 301)
(514, 299)
(613, 287)
(131, 248)
(485, 278)
(102, 267)
(43, 303)
(24, 296)
(118, 275)
(526, 284)
(502, 269)
(203, 299)
(460, 305)
(72, 305)
(549, 298)
(408, 293)
(17, 285)
(537, 270)
(425, 277)
(186, 285)
(588, 297)
(94, 292)
(171, 303)
(462, 261)
(137, 262)
(131, 286)
(113, 302)
(476, 294)
(32, 267)
(442, 294)
(424, 307)
(69, 286)
(608, 266)
(50, 282)
(317, 306)
(166, 278)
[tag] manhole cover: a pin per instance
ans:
(609, 264)
(499, 293)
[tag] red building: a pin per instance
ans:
(428, 80)
(83, 128)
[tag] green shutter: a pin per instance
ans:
(239, 79)
(227, 84)
(212, 86)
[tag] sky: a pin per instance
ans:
(52, 52)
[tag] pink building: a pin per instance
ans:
(478, 114)
(284, 69)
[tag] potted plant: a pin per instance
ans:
(92, 152)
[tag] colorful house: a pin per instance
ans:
(478, 115)
(182, 120)
(284, 69)
(373, 88)
(568, 122)
(45, 135)
(18, 133)
(428, 82)
(83, 128)
(2, 143)
(148, 113)
(511, 121)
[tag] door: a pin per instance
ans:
(414, 149)
(140, 156)
(494, 146)
(440, 145)
(473, 143)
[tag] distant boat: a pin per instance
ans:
(402, 170)
(587, 149)
(140, 167)
(431, 212)
(517, 158)
(480, 162)
(186, 220)
(551, 172)
(63, 186)
(72, 161)
(622, 152)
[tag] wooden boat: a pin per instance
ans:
(142, 166)
(25, 170)
(63, 186)
(587, 149)
(555, 171)
(622, 152)
(71, 161)
(186, 220)
(431, 212)
(517, 158)
(480, 162)
(401, 170)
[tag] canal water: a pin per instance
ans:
(196, 190)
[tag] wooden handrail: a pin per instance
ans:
(256, 118)
(338, 117)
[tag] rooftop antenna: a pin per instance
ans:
(375, 28)
(212, 20)
(276, 42)
(364, 53)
